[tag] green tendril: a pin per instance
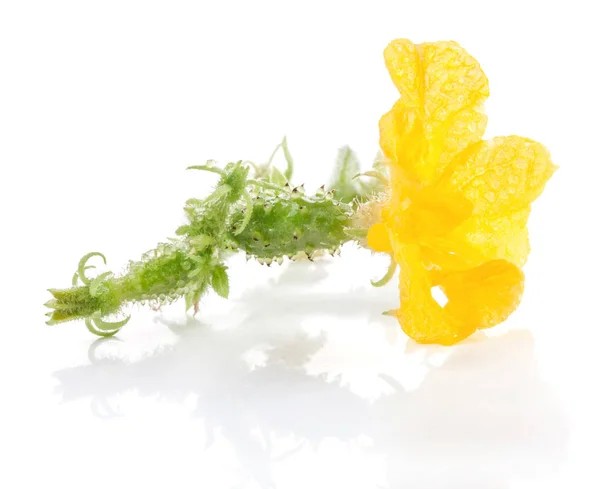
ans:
(288, 159)
(96, 325)
(109, 325)
(75, 279)
(373, 174)
(388, 276)
(212, 169)
(90, 325)
(270, 160)
(81, 268)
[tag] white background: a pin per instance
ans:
(296, 381)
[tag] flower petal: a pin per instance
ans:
(442, 90)
(417, 217)
(481, 239)
(500, 176)
(485, 295)
(420, 316)
(478, 298)
(378, 238)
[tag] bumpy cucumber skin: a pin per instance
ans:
(286, 226)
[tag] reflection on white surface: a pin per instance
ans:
(277, 389)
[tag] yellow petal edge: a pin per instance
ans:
(457, 206)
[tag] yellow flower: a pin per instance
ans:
(457, 209)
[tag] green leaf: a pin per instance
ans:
(288, 158)
(277, 177)
(346, 167)
(220, 281)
